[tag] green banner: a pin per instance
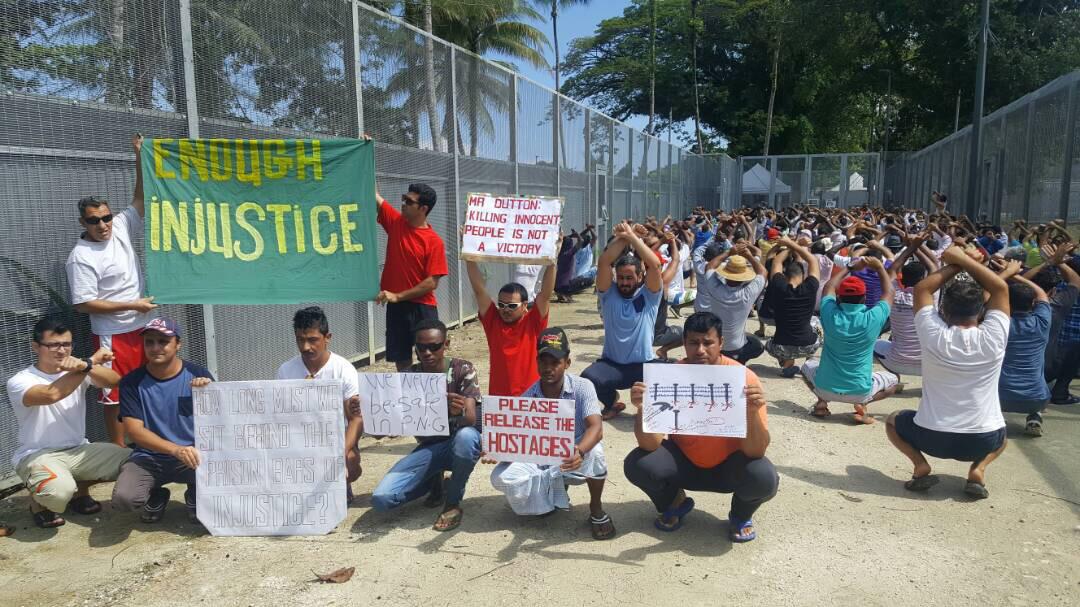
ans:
(246, 221)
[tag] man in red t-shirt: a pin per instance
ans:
(512, 330)
(415, 260)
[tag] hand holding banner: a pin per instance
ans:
(511, 229)
(703, 400)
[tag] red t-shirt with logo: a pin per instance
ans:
(412, 254)
(513, 351)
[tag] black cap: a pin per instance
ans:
(553, 341)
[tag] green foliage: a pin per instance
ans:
(833, 61)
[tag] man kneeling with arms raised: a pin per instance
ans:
(664, 468)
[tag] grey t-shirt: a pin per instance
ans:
(732, 305)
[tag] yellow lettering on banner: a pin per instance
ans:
(347, 226)
(316, 230)
(155, 224)
(174, 226)
(193, 154)
(220, 160)
(160, 154)
(242, 161)
(298, 225)
(303, 160)
(223, 244)
(242, 221)
(279, 210)
(198, 244)
(275, 166)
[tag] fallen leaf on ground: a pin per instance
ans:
(336, 577)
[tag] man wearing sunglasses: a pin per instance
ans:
(53, 458)
(422, 470)
(511, 329)
(103, 274)
(415, 261)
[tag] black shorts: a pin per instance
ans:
(401, 317)
(958, 446)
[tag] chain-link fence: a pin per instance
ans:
(827, 180)
(77, 80)
(1029, 151)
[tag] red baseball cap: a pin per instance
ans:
(772, 234)
(851, 286)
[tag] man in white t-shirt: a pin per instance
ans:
(105, 282)
(53, 458)
(316, 361)
(959, 415)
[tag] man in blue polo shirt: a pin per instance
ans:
(845, 372)
(629, 313)
(156, 410)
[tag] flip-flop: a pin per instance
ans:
(820, 412)
(737, 533)
(614, 411)
(921, 483)
(976, 490)
(452, 518)
(47, 519)
(680, 512)
(84, 504)
(597, 524)
(1068, 400)
(6, 531)
(862, 416)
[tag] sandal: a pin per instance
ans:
(921, 483)
(84, 504)
(976, 490)
(861, 416)
(821, 412)
(1066, 400)
(679, 513)
(739, 534)
(448, 520)
(47, 519)
(603, 528)
(6, 531)
(614, 411)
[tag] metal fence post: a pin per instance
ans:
(843, 182)
(191, 102)
(1066, 171)
(457, 175)
(515, 184)
(1028, 172)
(556, 124)
(358, 87)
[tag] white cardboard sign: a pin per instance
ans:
(404, 404)
(531, 430)
(703, 400)
(511, 229)
(273, 457)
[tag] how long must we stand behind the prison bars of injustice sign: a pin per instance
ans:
(511, 229)
(273, 457)
(239, 221)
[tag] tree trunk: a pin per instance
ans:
(438, 141)
(116, 73)
(772, 96)
(474, 105)
(697, 97)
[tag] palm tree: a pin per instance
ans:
(555, 5)
(496, 26)
(694, 69)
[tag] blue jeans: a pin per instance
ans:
(412, 476)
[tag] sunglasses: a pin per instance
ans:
(405, 199)
(96, 220)
(509, 306)
(430, 347)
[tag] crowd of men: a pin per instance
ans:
(987, 317)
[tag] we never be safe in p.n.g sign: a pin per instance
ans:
(244, 221)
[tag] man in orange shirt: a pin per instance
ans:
(665, 467)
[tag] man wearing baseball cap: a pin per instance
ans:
(533, 489)
(156, 410)
(845, 372)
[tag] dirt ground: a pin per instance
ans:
(841, 531)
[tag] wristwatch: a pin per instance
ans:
(89, 364)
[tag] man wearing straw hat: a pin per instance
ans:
(731, 284)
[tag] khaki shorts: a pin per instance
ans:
(50, 474)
